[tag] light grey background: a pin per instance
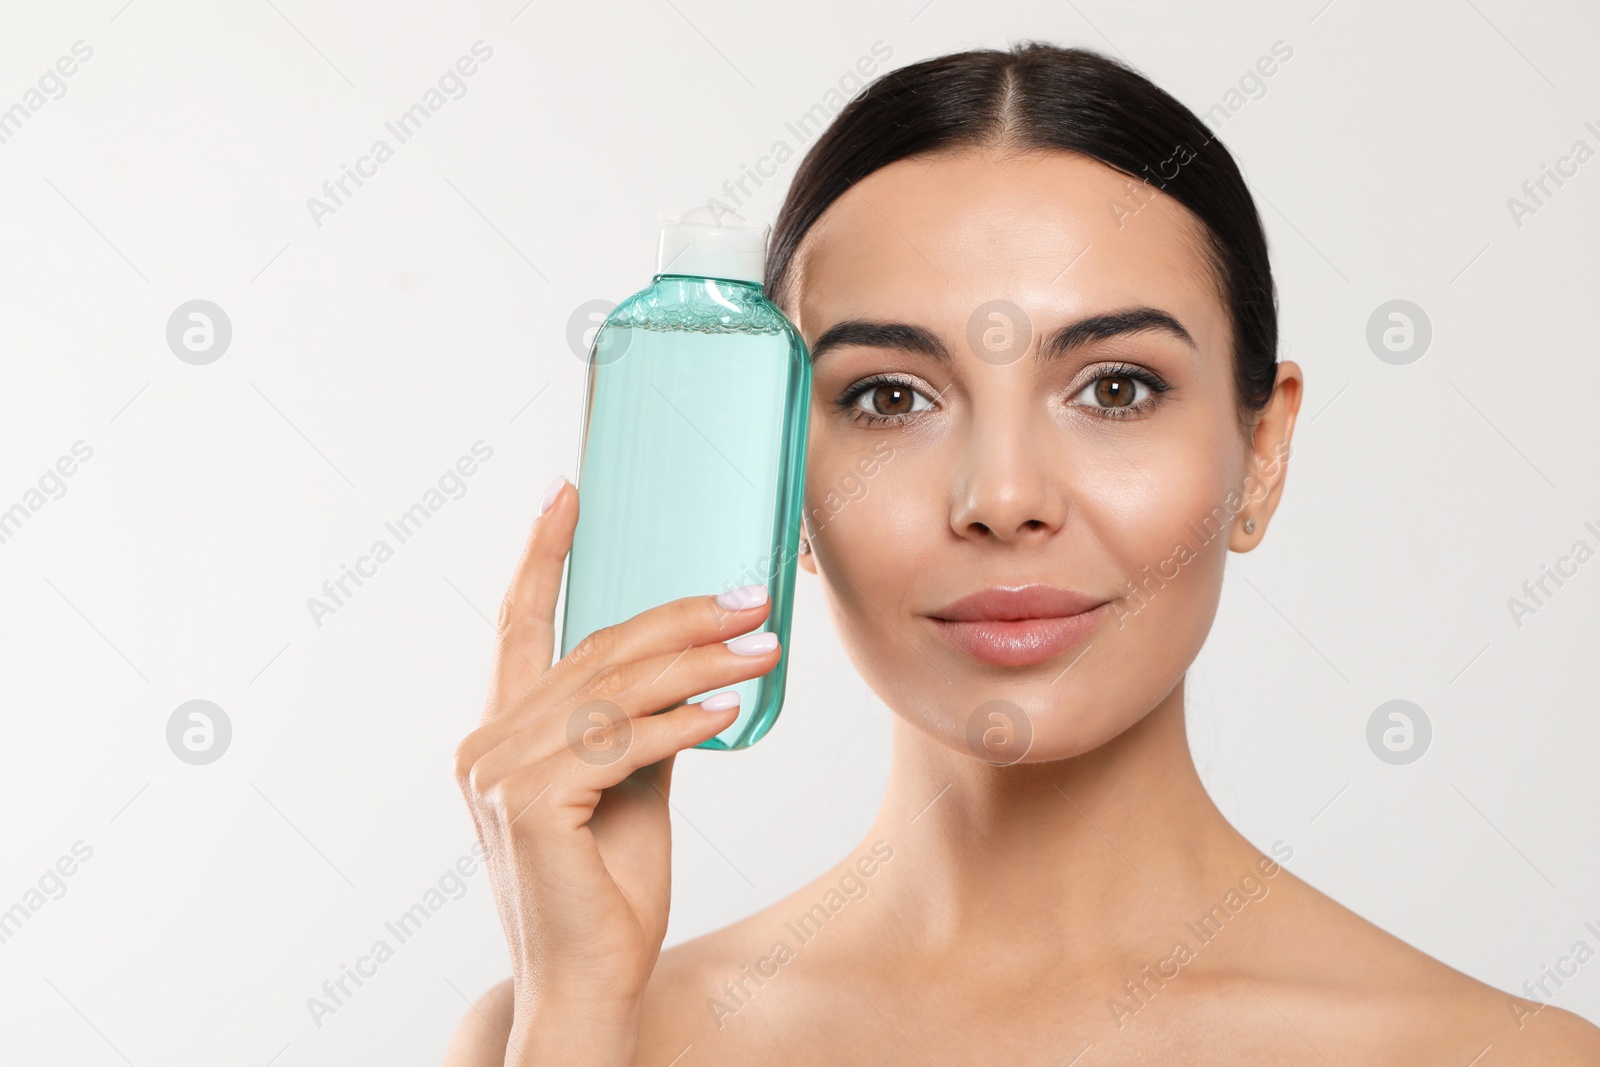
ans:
(430, 312)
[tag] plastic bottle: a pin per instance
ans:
(692, 454)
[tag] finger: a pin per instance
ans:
(580, 779)
(607, 708)
(667, 629)
(541, 807)
(527, 621)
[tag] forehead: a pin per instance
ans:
(930, 239)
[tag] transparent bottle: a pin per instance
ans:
(692, 456)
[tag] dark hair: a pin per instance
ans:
(1040, 96)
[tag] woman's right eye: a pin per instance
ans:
(882, 399)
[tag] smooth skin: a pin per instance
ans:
(1016, 902)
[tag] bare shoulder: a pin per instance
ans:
(720, 994)
(757, 990)
(481, 1036)
(704, 994)
(729, 994)
(1380, 1000)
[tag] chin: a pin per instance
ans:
(1015, 725)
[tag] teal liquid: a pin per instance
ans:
(690, 476)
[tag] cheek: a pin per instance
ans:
(874, 519)
(1153, 491)
(1166, 528)
(1174, 499)
(870, 514)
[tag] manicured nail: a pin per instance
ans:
(551, 493)
(754, 644)
(746, 596)
(721, 701)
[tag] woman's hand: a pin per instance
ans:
(567, 781)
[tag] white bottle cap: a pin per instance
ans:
(713, 245)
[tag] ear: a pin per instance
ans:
(808, 554)
(1269, 458)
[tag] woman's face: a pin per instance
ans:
(961, 449)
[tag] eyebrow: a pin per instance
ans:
(908, 338)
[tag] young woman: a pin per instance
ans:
(1040, 309)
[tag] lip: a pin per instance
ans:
(1018, 626)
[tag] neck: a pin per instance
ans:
(1108, 851)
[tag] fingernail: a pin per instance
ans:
(721, 701)
(551, 493)
(746, 596)
(753, 644)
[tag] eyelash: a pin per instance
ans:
(866, 385)
(1116, 370)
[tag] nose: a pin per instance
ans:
(1005, 486)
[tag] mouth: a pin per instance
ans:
(1019, 626)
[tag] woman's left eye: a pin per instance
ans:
(1119, 392)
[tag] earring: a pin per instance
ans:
(1249, 526)
(805, 547)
